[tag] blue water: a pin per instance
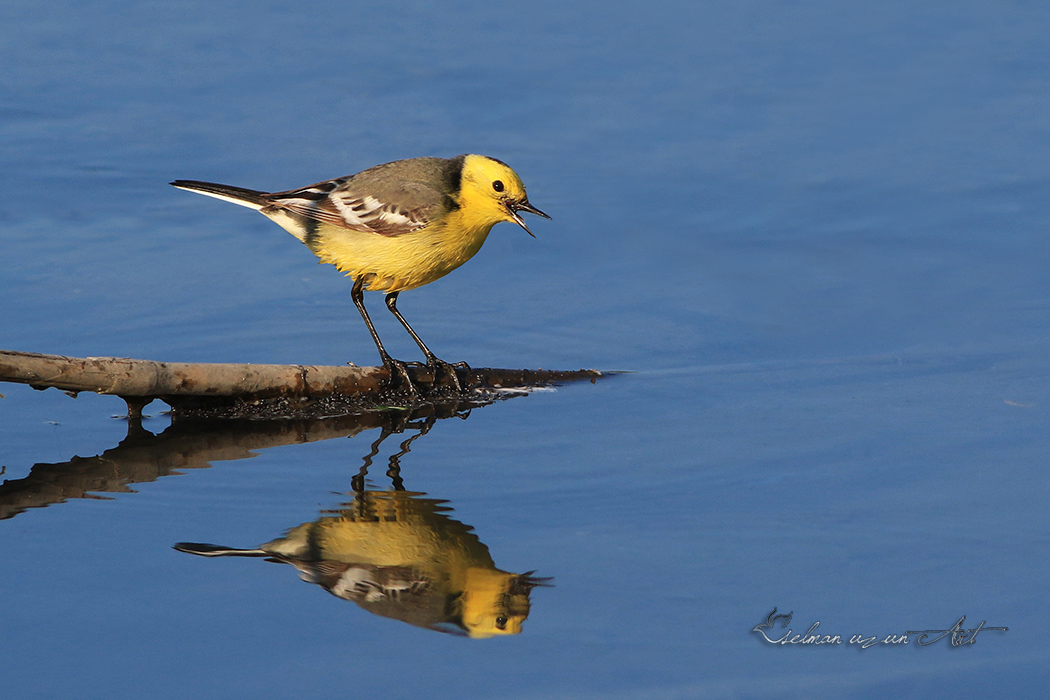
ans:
(816, 235)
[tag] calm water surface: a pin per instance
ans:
(815, 236)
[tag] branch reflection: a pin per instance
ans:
(190, 444)
(399, 554)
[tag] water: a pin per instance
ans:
(814, 235)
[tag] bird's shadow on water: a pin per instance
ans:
(393, 552)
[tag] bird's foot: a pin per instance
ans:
(440, 367)
(400, 379)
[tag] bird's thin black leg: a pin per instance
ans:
(357, 293)
(432, 361)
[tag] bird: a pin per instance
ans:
(394, 227)
(399, 554)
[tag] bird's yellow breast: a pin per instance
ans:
(403, 262)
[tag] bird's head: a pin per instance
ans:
(495, 602)
(492, 192)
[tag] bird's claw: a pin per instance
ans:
(400, 369)
(442, 367)
(445, 374)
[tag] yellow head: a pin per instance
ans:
(491, 192)
(494, 602)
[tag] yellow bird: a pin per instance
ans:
(400, 555)
(394, 227)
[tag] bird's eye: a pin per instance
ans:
(497, 185)
(501, 621)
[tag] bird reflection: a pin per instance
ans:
(399, 554)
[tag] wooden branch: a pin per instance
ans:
(146, 378)
(237, 390)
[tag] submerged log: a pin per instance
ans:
(240, 390)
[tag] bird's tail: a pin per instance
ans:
(252, 199)
(214, 550)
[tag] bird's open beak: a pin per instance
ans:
(514, 207)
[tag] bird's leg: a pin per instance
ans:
(391, 303)
(432, 361)
(357, 293)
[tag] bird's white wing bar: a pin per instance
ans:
(330, 204)
(369, 212)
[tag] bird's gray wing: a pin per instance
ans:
(385, 208)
